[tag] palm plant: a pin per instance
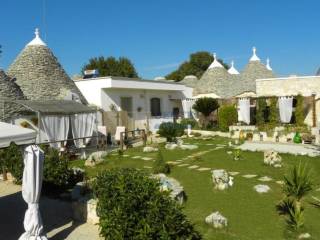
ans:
(298, 184)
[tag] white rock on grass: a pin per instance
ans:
(171, 146)
(272, 158)
(249, 176)
(262, 188)
(265, 179)
(95, 158)
(150, 149)
(233, 173)
(188, 147)
(304, 236)
(217, 220)
(221, 179)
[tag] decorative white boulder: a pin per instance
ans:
(304, 236)
(217, 220)
(221, 179)
(150, 149)
(171, 146)
(95, 158)
(262, 188)
(170, 184)
(272, 158)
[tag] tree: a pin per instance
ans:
(205, 106)
(111, 66)
(197, 64)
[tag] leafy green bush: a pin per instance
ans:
(160, 166)
(205, 106)
(299, 112)
(273, 111)
(13, 161)
(131, 206)
(261, 111)
(227, 116)
(171, 130)
(188, 121)
(57, 176)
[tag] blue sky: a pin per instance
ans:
(158, 35)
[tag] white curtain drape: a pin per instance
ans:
(56, 128)
(244, 110)
(285, 109)
(82, 126)
(31, 191)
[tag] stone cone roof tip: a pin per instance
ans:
(37, 40)
(40, 75)
(268, 65)
(215, 63)
(9, 91)
(254, 55)
(232, 70)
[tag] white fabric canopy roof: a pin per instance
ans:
(208, 95)
(13, 133)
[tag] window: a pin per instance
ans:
(155, 107)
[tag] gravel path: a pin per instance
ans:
(56, 217)
(296, 149)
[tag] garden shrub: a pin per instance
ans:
(160, 166)
(57, 176)
(188, 121)
(261, 111)
(227, 116)
(273, 111)
(171, 130)
(131, 206)
(297, 185)
(299, 112)
(13, 161)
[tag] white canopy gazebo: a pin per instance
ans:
(13, 133)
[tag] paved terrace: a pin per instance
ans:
(56, 215)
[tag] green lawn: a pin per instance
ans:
(250, 215)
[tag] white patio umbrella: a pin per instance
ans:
(31, 190)
(13, 133)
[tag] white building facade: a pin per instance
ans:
(142, 104)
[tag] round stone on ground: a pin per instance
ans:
(265, 179)
(262, 188)
(217, 220)
(233, 173)
(150, 149)
(249, 176)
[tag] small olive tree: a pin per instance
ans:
(205, 106)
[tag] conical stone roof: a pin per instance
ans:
(214, 80)
(253, 71)
(40, 75)
(189, 81)
(9, 91)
